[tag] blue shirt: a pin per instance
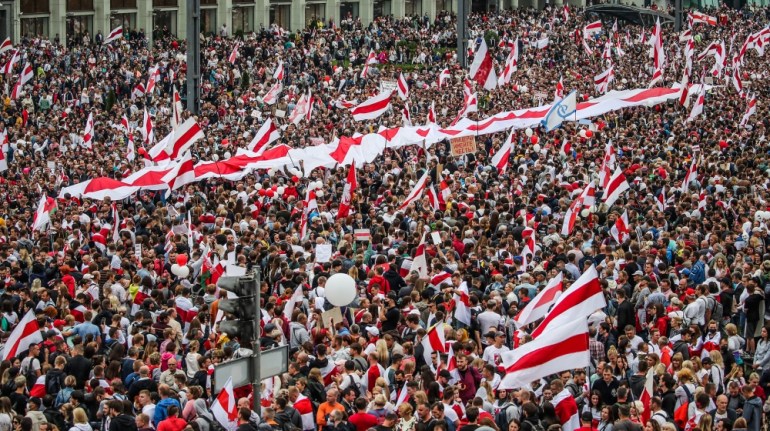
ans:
(86, 328)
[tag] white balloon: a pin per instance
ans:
(184, 271)
(528, 132)
(340, 289)
(584, 213)
(319, 184)
(175, 269)
(271, 172)
(536, 148)
(258, 186)
(582, 133)
(280, 190)
(319, 193)
(227, 154)
(215, 157)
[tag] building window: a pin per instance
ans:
(279, 14)
(31, 27)
(315, 12)
(242, 17)
(80, 5)
(34, 6)
(122, 4)
(413, 7)
(164, 3)
(348, 11)
(78, 26)
(164, 23)
(381, 8)
(444, 5)
(209, 21)
(127, 20)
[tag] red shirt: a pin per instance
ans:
(363, 421)
(172, 423)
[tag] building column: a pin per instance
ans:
(225, 15)
(144, 17)
(102, 17)
(398, 8)
(261, 14)
(297, 20)
(366, 11)
(181, 22)
(16, 22)
(333, 12)
(429, 7)
(58, 22)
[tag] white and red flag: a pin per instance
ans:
(566, 410)
(25, 334)
(27, 73)
(463, 304)
(697, 107)
(372, 107)
(225, 407)
(563, 348)
(602, 81)
(8, 67)
(432, 113)
(370, 59)
(181, 174)
(234, 54)
(433, 341)
(272, 95)
(540, 304)
(184, 138)
(583, 297)
(691, 175)
(176, 105)
(138, 91)
(402, 86)
(6, 45)
(559, 91)
(416, 191)
(443, 77)
(45, 208)
(266, 135)
(115, 34)
(615, 188)
(482, 69)
(501, 157)
(147, 134)
(347, 193)
(279, 72)
(88, 133)
(620, 230)
(309, 205)
(751, 108)
(647, 394)
(660, 200)
(696, 17)
(592, 29)
(152, 79)
(420, 261)
(511, 64)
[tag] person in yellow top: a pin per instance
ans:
(329, 406)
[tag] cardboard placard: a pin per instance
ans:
(387, 85)
(280, 114)
(335, 314)
(323, 253)
(138, 252)
(436, 237)
(463, 145)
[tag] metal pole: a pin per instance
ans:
(193, 56)
(462, 22)
(257, 384)
(678, 15)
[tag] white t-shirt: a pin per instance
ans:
(492, 354)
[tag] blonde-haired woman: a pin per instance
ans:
(80, 421)
(408, 420)
(381, 349)
(716, 370)
(686, 388)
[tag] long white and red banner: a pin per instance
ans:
(363, 149)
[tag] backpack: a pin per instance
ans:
(213, 425)
(29, 371)
(53, 383)
(502, 418)
(717, 311)
(354, 385)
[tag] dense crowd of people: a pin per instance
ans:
(685, 293)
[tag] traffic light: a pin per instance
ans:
(243, 309)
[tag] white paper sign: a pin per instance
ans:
(235, 271)
(323, 253)
(231, 258)
(436, 238)
(280, 114)
(138, 252)
(387, 85)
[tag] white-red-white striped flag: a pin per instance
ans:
(266, 135)
(615, 188)
(416, 191)
(402, 86)
(372, 107)
(620, 230)
(225, 407)
(433, 341)
(347, 193)
(592, 29)
(114, 35)
(6, 45)
(540, 304)
(25, 334)
(482, 69)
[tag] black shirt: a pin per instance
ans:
(19, 403)
(392, 316)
